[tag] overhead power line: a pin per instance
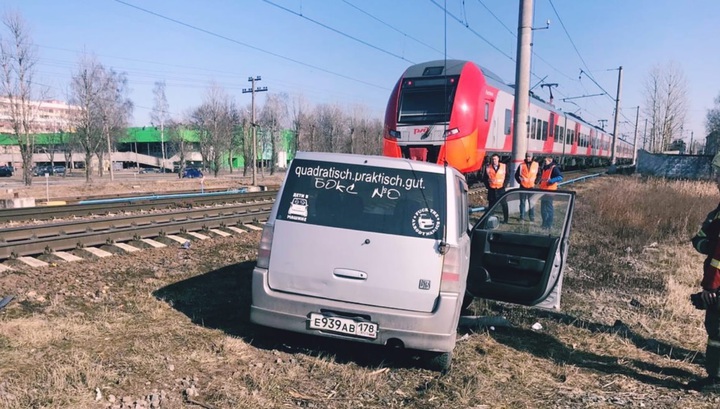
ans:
(338, 31)
(249, 46)
(390, 26)
(567, 33)
(478, 35)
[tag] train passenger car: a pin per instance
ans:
(456, 112)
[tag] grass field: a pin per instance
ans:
(169, 328)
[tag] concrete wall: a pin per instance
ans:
(693, 167)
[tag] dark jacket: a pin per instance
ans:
(707, 242)
(555, 176)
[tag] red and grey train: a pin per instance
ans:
(455, 112)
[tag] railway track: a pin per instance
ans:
(121, 205)
(53, 239)
(224, 214)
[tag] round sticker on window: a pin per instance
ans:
(426, 222)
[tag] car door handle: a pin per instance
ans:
(347, 273)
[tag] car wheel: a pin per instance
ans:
(467, 300)
(436, 361)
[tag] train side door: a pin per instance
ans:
(522, 261)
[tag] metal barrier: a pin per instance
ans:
(567, 182)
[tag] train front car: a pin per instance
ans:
(439, 111)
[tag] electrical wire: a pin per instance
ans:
(337, 31)
(223, 37)
(391, 27)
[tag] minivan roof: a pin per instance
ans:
(383, 161)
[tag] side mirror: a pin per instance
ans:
(492, 223)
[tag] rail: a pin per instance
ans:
(34, 240)
(129, 204)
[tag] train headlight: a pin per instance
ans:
(451, 132)
(395, 134)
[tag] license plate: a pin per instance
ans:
(342, 325)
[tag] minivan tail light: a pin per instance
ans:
(450, 280)
(263, 257)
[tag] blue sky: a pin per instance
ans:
(351, 52)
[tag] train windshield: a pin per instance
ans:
(427, 100)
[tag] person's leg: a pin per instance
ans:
(545, 208)
(712, 353)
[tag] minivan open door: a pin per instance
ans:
(521, 261)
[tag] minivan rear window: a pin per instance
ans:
(383, 200)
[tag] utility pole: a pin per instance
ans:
(522, 85)
(691, 141)
(613, 154)
(253, 90)
(637, 118)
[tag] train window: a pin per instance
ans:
(562, 137)
(533, 128)
(508, 121)
(487, 111)
(432, 71)
(544, 130)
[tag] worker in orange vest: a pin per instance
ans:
(495, 179)
(525, 175)
(549, 176)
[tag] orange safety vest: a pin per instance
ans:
(546, 175)
(496, 177)
(528, 174)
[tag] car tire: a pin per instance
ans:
(436, 361)
(467, 300)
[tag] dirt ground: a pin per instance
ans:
(169, 328)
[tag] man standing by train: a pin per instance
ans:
(525, 175)
(495, 179)
(707, 241)
(549, 176)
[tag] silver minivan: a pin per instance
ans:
(378, 250)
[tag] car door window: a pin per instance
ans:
(521, 261)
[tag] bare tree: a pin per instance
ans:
(17, 61)
(299, 121)
(114, 109)
(102, 108)
(245, 125)
(330, 127)
(666, 104)
(365, 133)
(214, 121)
(84, 91)
(273, 118)
(176, 132)
(712, 126)
(159, 114)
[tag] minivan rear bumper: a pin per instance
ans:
(433, 331)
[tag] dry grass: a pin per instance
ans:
(171, 326)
